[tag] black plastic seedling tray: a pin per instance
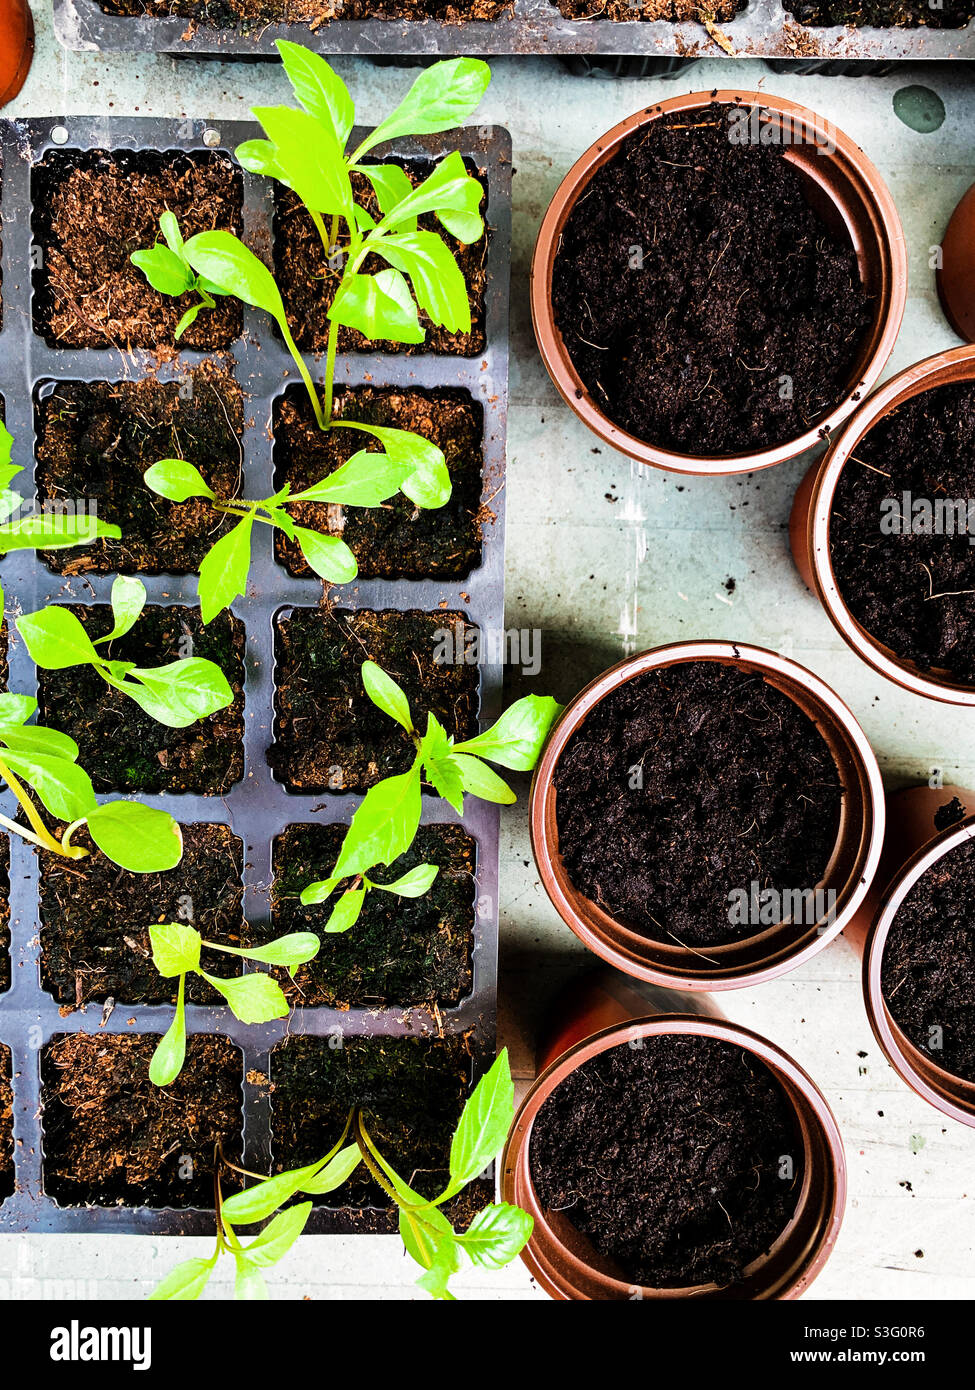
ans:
(764, 29)
(258, 807)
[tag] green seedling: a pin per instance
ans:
(386, 823)
(177, 694)
(253, 998)
(493, 1239)
(49, 530)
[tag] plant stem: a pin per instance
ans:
(42, 836)
(360, 1137)
(333, 342)
(305, 374)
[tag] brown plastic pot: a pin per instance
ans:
(16, 47)
(809, 522)
(565, 1263)
(956, 275)
(913, 846)
(846, 190)
(772, 950)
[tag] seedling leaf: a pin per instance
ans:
(177, 480)
(142, 839)
(386, 694)
(517, 738)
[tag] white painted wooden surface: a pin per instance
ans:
(600, 578)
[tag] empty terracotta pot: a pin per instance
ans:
(16, 47)
(844, 188)
(913, 846)
(772, 950)
(956, 275)
(563, 1260)
(809, 522)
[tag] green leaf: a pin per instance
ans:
(181, 692)
(386, 695)
(258, 157)
(437, 281)
(169, 226)
(142, 839)
(319, 891)
(8, 469)
(438, 763)
(384, 826)
(413, 884)
(337, 1171)
(496, 1235)
(441, 98)
(16, 709)
(128, 601)
(297, 948)
(278, 1236)
(365, 480)
(175, 948)
(391, 184)
(232, 268)
(379, 306)
(484, 1124)
(445, 1262)
(54, 531)
(56, 639)
(64, 788)
(482, 781)
(260, 1201)
(252, 998)
(170, 1054)
(452, 194)
(321, 91)
(311, 158)
(186, 1281)
(427, 482)
(224, 570)
(328, 556)
(188, 318)
(36, 738)
(165, 271)
(177, 480)
(346, 912)
(518, 737)
(249, 1285)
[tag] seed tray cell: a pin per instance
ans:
(258, 809)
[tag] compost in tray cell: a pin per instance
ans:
(123, 749)
(95, 441)
(401, 951)
(95, 920)
(112, 1138)
(397, 540)
(330, 736)
(6, 1124)
(92, 209)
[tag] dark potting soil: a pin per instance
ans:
(912, 592)
(329, 734)
(669, 1157)
(690, 783)
(112, 1138)
(122, 748)
(401, 951)
(5, 972)
(96, 440)
(6, 1124)
(705, 304)
(883, 14)
(411, 1091)
(228, 13)
(928, 967)
(93, 210)
(308, 284)
(95, 920)
(397, 540)
(649, 11)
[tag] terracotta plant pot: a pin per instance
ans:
(809, 522)
(562, 1259)
(845, 189)
(913, 845)
(773, 950)
(16, 47)
(956, 275)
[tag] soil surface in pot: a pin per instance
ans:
(685, 786)
(228, 13)
(95, 441)
(401, 951)
(928, 967)
(883, 14)
(669, 1157)
(330, 736)
(912, 592)
(411, 1091)
(6, 1124)
(95, 920)
(112, 1138)
(308, 285)
(706, 305)
(123, 749)
(397, 540)
(92, 210)
(649, 11)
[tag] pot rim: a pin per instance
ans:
(943, 368)
(925, 1077)
(565, 897)
(516, 1183)
(891, 297)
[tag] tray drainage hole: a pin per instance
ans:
(211, 138)
(60, 135)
